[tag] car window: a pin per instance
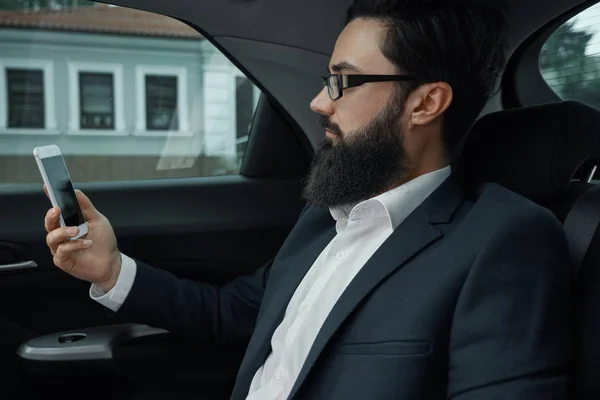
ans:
(570, 59)
(126, 94)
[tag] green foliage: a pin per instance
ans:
(568, 70)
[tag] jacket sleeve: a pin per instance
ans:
(510, 337)
(195, 309)
(214, 314)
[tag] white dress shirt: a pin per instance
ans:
(361, 230)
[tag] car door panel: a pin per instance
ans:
(206, 229)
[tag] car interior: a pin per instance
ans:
(529, 138)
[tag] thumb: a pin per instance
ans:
(89, 211)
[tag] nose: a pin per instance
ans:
(322, 104)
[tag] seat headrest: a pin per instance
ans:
(534, 151)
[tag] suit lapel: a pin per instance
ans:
(260, 344)
(281, 298)
(412, 236)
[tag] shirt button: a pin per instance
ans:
(339, 255)
(280, 374)
(305, 310)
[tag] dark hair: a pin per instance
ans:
(459, 42)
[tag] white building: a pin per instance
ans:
(126, 94)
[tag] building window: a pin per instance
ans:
(25, 98)
(96, 98)
(97, 104)
(161, 103)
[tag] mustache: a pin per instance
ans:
(329, 125)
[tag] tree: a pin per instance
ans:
(11, 5)
(569, 71)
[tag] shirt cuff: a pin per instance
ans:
(117, 295)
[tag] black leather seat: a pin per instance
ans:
(545, 153)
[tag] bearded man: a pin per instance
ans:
(394, 284)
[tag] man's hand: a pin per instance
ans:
(94, 258)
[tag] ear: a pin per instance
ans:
(429, 102)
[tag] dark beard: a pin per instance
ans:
(360, 165)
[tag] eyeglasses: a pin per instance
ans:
(337, 83)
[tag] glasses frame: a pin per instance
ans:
(339, 82)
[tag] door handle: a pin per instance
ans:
(18, 266)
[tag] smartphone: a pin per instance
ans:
(60, 188)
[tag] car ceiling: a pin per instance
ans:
(284, 45)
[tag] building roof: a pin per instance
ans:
(99, 19)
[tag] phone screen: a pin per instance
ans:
(58, 177)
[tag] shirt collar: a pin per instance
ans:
(395, 204)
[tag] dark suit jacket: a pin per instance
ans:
(466, 300)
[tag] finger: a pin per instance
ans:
(46, 191)
(89, 211)
(52, 219)
(67, 250)
(60, 235)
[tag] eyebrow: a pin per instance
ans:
(344, 66)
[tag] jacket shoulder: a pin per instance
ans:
(505, 203)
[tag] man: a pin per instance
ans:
(394, 284)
